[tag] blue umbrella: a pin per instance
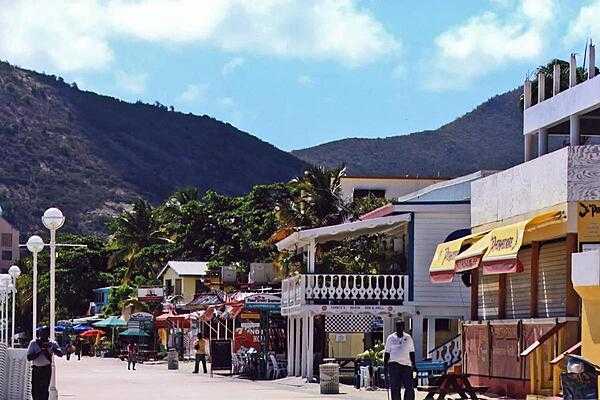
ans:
(81, 328)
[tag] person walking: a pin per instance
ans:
(200, 353)
(399, 363)
(78, 345)
(40, 353)
(132, 351)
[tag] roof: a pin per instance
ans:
(443, 189)
(342, 231)
(405, 177)
(186, 268)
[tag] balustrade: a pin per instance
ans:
(343, 289)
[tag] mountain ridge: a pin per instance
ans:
(93, 154)
(431, 152)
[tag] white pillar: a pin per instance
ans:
(541, 87)
(430, 335)
(528, 146)
(555, 79)
(591, 67)
(305, 346)
(290, 346)
(572, 70)
(574, 130)
(311, 347)
(542, 142)
(417, 335)
(297, 353)
(312, 249)
(1, 317)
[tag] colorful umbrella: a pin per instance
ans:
(111, 322)
(133, 332)
(92, 333)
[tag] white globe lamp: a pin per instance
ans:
(53, 219)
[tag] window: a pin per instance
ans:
(178, 286)
(168, 287)
(7, 255)
(6, 240)
(442, 324)
(200, 286)
(361, 193)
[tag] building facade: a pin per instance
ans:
(388, 187)
(9, 245)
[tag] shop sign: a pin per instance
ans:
(250, 325)
(588, 221)
(263, 302)
(249, 315)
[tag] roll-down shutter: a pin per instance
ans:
(518, 288)
(552, 280)
(488, 297)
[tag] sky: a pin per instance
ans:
(297, 73)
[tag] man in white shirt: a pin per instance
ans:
(399, 363)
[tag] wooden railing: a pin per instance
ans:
(546, 348)
(342, 289)
(448, 352)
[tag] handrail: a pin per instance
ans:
(567, 352)
(543, 339)
(443, 344)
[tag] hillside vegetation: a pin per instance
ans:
(92, 155)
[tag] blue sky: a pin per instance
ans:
(297, 73)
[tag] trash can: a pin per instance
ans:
(329, 374)
(173, 359)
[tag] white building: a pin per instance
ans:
(388, 187)
(412, 227)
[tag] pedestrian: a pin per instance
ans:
(40, 353)
(78, 347)
(67, 349)
(132, 351)
(200, 353)
(399, 363)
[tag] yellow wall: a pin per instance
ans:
(346, 345)
(188, 284)
(590, 323)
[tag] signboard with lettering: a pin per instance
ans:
(588, 221)
(261, 301)
(151, 294)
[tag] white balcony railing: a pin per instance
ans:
(342, 289)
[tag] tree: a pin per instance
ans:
(132, 233)
(78, 272)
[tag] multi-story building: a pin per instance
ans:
(9, 245)
(527, 222)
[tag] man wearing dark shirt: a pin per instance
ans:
(40, 354)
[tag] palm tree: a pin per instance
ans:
(320, 195)
(131, 233)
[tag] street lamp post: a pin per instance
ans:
(35, 244)
(14, 273)
(53, 219)
(3, 299)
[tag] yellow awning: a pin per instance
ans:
(497, 250)
(442, 266)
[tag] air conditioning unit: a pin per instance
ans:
(261, 273)
(228, 274)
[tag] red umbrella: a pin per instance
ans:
(92, 333)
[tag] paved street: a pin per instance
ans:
(102, 379)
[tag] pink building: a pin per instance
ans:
(9, 245)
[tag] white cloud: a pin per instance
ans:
(131, 82)
(231, 65)
(192, 93)
(489, 41)
(77, 35)
(585, 25)
(59, 35)
(305, 80)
